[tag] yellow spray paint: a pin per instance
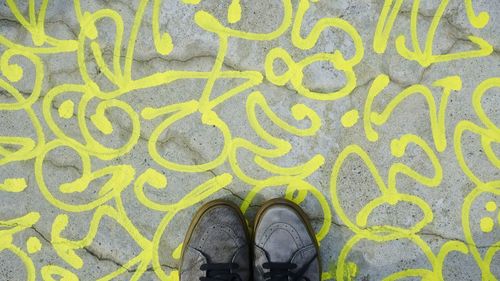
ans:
(108, 202)
(426, 57)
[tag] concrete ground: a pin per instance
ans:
(120, 118)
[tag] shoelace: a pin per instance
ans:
(280, 271)
(219, 272)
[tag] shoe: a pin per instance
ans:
(285, 246)
(216, 246)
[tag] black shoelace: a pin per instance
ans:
(220, 272)
(280, 271)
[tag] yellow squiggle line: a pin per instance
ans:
(120, 73)
(436, 115)
(294, 73)
(426, 57)
(6, 240)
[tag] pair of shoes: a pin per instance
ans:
(217, 245)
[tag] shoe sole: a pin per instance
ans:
(199, 214)
(303, 216)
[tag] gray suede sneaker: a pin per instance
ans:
(216, 246)
(285, 247)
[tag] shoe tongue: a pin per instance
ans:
(280, 246)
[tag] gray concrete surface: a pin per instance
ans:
(457, 239)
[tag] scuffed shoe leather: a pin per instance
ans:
(285, 247)
(216, 245)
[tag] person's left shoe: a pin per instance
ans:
(216, 246)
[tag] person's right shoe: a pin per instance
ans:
(285, 247)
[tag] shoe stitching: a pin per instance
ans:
(268, 232)
(222, 227)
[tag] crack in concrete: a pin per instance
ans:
(12, 21)
(60, 21)
(41, 234)
(431, 17)
(88, 250)
(440, 236)
(232, 193)
(102, 258)
(8, 95)
(437, 235)
(458, 33)
(16, 22)
(368, 82)
(58, 165)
